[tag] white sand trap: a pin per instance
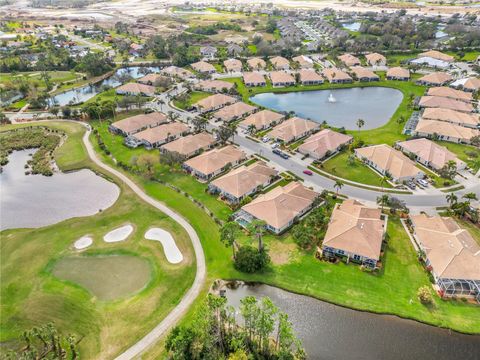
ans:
(83, 242)
(172, 253)
(119, 234)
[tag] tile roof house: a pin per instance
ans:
(376, 59)
(137, 123)
(435, 79)
(214, 85)
(472, 84)
(135, 89)
(429, 154)
(303, 61)
(214, 102)
(355, 232)
(387, 160)
(363, 74)
(445, 131)
(281, 78)
(234, 49)
(208, 52)
(151, 79)
(434, 54)
(190, 145)
(349, 60)
(280, 63)
(310, 77)
(243, 181)
(261, 120)
(156, 136)
(233, 65)
(213, 162)
(293, 129)
(448, 92)
(445, 103)
(254, 79)
(203, 67)
(452, 254)
(324, 143)
(430, 62)
(452, 116)
(175, 71)
(280, 207)
(233, 112)
(336, 76)
(256, 63)
(398, 73)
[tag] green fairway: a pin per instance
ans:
(357, 172)
(31, 295)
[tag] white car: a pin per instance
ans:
(275, 145)
(423, 182)
(265, 139)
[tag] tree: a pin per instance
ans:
(470, 196)
(451, 199)
(147, 162)
(384, 179)
(360, 124)
(449, 170)
(66, 112)
(224, 133)
(257, 229)
(475, 140)
(338, 185)
(45, 342)
(425, 295)
(55, 110)
(94, 64)
(228, 235)
(199, 123)
(4, 119)
(383, 200)
(250, 260)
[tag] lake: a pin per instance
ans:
(355, 26)
(82, 94)
(30, 201)
(375, 105)
(332, 332)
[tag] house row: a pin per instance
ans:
(447, 131)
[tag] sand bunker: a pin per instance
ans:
(119, 234)
(172, 253)
(83, 242)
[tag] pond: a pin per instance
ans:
(355, 26)
(333, 332)
(106, 277)
(29, 201)
(82, 94)
(375, 105)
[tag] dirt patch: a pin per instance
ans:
(280, 253)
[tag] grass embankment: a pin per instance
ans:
(357, 172)
(392, 291)
(190, 99)
(31, 296)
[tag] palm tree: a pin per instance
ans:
(384, 180)
(383, 200)
(451, 199)
(338, 185)
(470, 196)
(228, 235)
(360, 124)
(257, 228)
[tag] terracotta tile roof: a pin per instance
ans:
(136, 88)
(324, 141)
(215, 159)
(398, 72)
(150, 78)
(363, 73)
(335, 74)
(303, 61)
(448, 92)
(445, 103)
(281, 205)
(279, 62)
(389, 159)
(434, 54)
(190, 144)
(452, 252)
(256, 63)
(234, 111)
(375, 58)
(162, 132)
(134, 123)
(472, 84)
(217, 85)
(245, 179)
(233, 65)
(203, 66)
(356, 229)
(293, 128)
(214, 101)
(436, 78)
(262, 119)
(349, 59)
(253, 78)
(453, 116)
(281, 77)
(311, 75)
(428, 151)
(446, 129)
(176, 71)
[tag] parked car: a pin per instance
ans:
(265, 139)
(275, 145)
(411, 185)
(423, 182)
(308, 172)
(280, 153)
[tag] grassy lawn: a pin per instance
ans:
(105, 95)
(31, 295)
(437, 181)
(462, 151)
(358, 172)
(191, 99)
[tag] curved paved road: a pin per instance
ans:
(171, 319)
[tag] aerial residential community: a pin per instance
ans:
(239, 180)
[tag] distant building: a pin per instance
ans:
(398, 73)
(208, 52)
(137, 123)
(135, 89)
